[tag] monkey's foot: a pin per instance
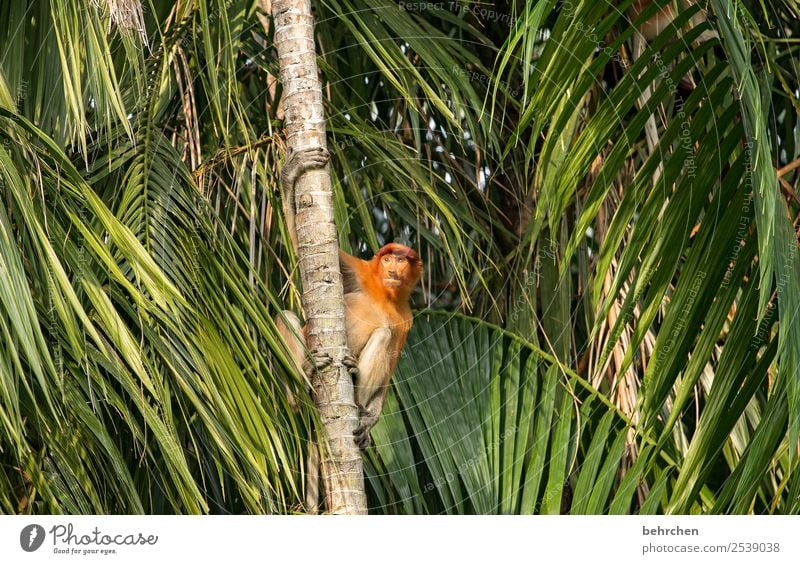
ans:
(302, 160)
(315, 361)
(362, 438)
(361, 434)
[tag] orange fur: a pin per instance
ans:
(378, 319)
(370, 303)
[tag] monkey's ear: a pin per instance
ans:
(347, 265)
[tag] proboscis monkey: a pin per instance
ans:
(377, 313)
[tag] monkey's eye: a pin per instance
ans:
(386, 259)
(401, 259)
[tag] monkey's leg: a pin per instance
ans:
(372, 382)
(297, 162)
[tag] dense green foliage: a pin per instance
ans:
(609, 318)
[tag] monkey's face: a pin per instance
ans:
(395, 270)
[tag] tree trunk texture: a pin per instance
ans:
(322, 298)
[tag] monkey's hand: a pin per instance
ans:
(302, 160)
(316, 361)
(361, 435)
(351, 363)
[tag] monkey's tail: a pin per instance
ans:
(312, 477)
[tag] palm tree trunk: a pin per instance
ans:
(323, 302)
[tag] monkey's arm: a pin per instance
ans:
(297, 162)
(289, 326)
